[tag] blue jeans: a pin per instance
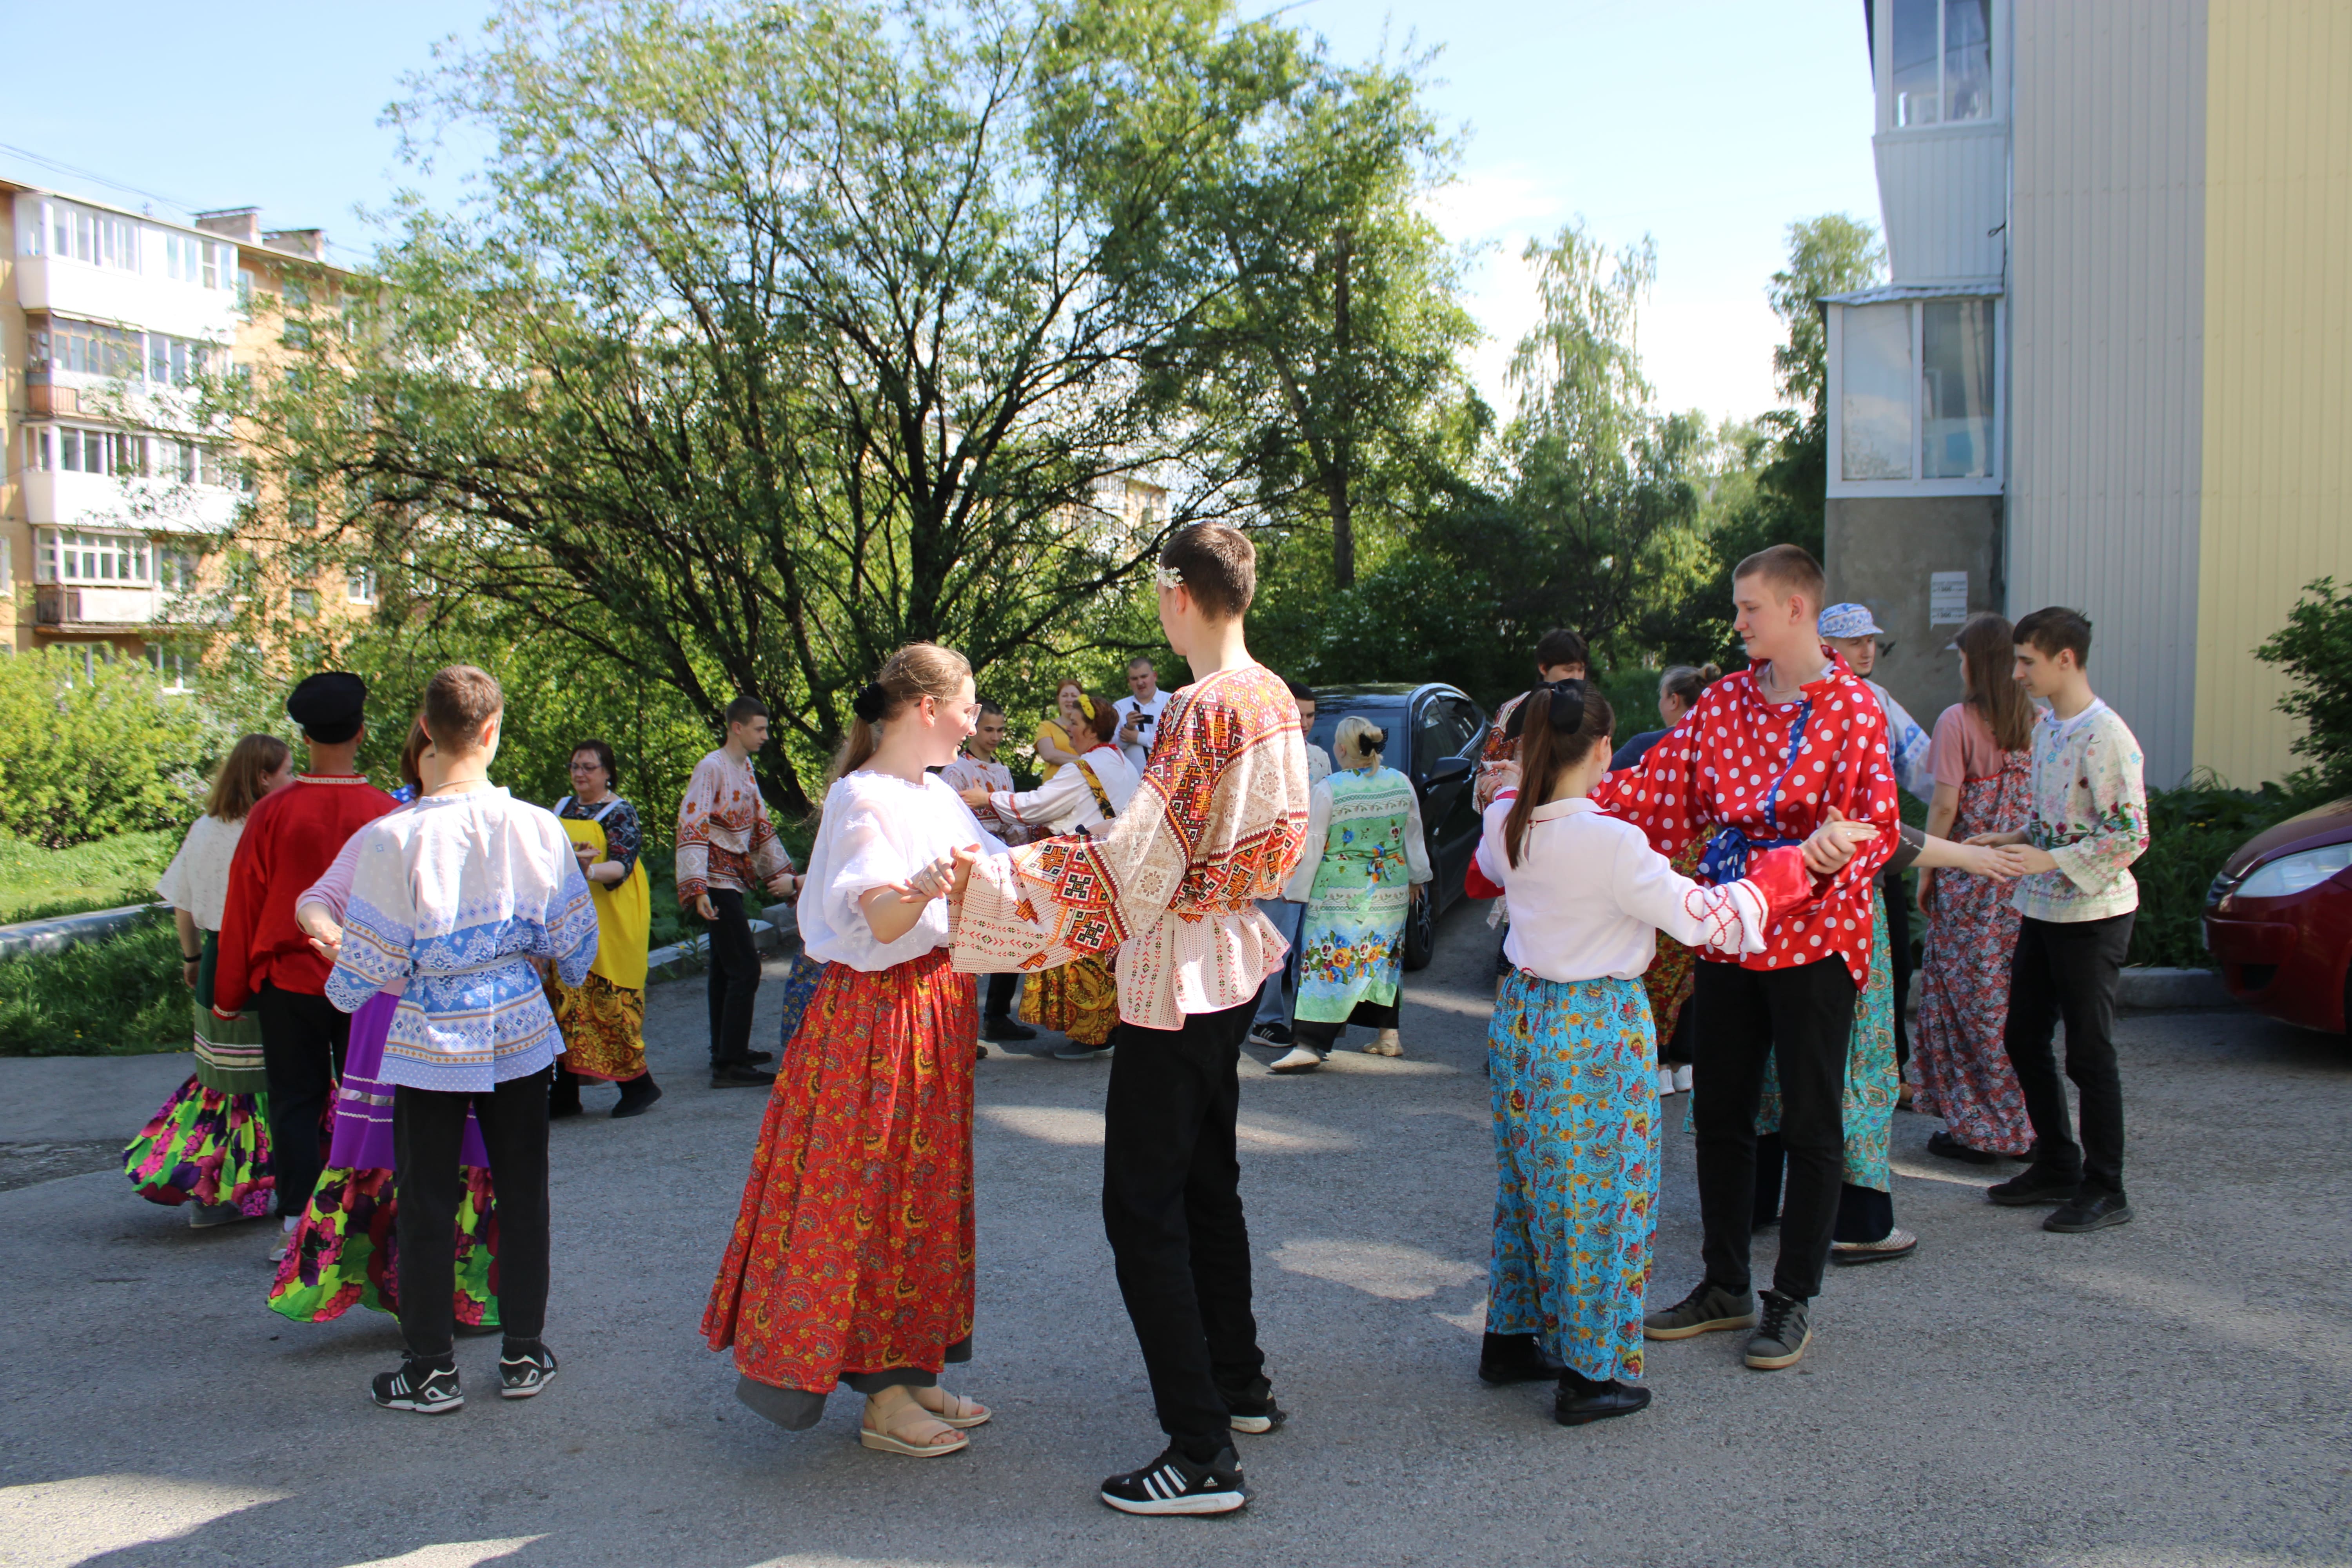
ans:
(1280, 993)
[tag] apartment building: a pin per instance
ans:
(2107, 370)
(115, 504)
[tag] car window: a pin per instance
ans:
(1443, 728)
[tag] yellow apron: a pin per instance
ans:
(624, 913)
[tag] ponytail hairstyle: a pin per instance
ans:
(1988, 647)
(411, 753)
(1685, 683)
(1361, 739)
(238, 785)
(916, 671)
(1558, 726)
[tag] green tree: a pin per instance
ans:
(89, 750)
(2315, 648)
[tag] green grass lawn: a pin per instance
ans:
(120, 997)
(36, 883)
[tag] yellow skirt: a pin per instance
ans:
(1080, 999)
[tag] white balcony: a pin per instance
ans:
(157, 304)
(61, 499)
(82, 608)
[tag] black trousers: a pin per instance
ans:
(734, 979)
(1798, 1019)
(1172, 1209)
(302, 1039)
(1863, 1214)
(1896, 888)
(2070, 970)
(1000, 995)
(428, 1129)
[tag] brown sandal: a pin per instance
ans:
(953, 1409)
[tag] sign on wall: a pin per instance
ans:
(1948, 598)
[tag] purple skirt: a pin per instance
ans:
(363, 1106)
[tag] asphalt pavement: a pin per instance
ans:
(2168, 1394)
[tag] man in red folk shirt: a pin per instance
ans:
(1758, 764)
(290, 838)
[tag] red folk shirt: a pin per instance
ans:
(290, 838)
(1717, 769)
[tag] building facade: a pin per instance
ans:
(2108, 370)
(115, 504)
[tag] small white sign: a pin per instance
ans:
(1948, 598)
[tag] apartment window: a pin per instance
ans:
(40, 448)
(191, 260)
(176, 362)
(1942, 53)
(102, 240)
(66, 555)
(172, 669)
(85, 347)
(1914, 386)
(175, 571)
(304, 601)
(359, 584)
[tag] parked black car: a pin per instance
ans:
(1435, 734)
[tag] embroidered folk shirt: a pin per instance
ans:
(2090, 812)
(1217, 823)
(1065, 801)
(724, 837)
(1739, 762)
(968, 772)
(458, 895)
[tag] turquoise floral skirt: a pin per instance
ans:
(1574, 1067)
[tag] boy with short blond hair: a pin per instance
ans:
(2088, 823)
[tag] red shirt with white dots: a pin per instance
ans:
(1716, 769)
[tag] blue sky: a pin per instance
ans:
(1708, 125)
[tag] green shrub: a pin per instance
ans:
(2315, 648)
(88, 753)
(119, 997)
(37, 882)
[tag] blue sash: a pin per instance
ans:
(1726, 861)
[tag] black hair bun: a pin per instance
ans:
(1377, 739)
(871, 702)
(1567, 706)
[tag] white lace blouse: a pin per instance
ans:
(197, 879)
(879, 829)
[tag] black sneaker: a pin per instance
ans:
(2091, 1211)
(1251, 1408)
(1276, 1036)
(1703, 1311)
(520, 1376)
(1951, 1148)
(1580, 1401)
(1516, 1358)
(1005, 1031)
(421, 1386)
(735, 1075)
(1783, 1333)
(759, 1058)
(1174, 1484)
(2037, 1186)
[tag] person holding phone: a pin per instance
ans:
(1138, 712)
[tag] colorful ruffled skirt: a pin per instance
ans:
(1080, 998)
(346, 1251)
(208, 1147)
(1574, 1071)
(853, 1248)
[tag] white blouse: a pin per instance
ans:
(1589, 896)
(1063, 802)
(879, 829)
(197, 879)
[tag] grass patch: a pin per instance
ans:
(38, 883)
(120, 997)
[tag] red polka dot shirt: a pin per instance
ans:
(1716, 769)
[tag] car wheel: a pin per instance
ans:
(1420, 933)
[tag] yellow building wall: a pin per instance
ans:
(2275, 505)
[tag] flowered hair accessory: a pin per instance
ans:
(1167, 577)
(1086, 703)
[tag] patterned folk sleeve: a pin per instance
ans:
(694, 828)
(572, 924)
(623, 839)
(769, 859)
(2116, 834)
(379, 924)
(1498, 756)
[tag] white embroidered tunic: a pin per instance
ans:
(197, 879)
(1065, 801)
(458, 894)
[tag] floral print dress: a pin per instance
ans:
(1364, 851)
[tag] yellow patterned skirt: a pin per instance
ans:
(603, 1028)
(1080, 999)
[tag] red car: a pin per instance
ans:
(2279, 917)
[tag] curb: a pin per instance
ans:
(765, 935)
(2149, 989)
(56, 934)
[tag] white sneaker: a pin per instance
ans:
(1300, 1060)
(1665, 1082)
(1682, 1078)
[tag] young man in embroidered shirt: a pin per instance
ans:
(2089, 823)
(1218, 821)
(726, 849)
(1758, 764)
(976, 767)
(459, 899)
(290, 838)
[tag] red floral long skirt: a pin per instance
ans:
(853, 1251)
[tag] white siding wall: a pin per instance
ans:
(1944, 194)
(2108, 346)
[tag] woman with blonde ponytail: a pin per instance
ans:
(852, 1255)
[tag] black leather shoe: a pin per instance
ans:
(1951, 1148)
(637, 1096)
(1005, 1031)
(2091, 1211)
(2035, 1186)
(1581, 1401)
(759, 1058)
(1516, 1358)
(735, 1075)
